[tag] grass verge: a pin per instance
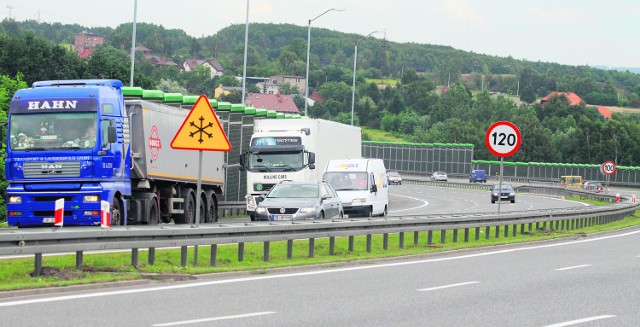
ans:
(15, 274)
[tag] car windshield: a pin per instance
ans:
(294, 191)
(344, 181)
(504, 187)
(394, 173)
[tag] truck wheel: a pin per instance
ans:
(116, 212)
(212, 210)
(385, 212)
(370, 212)
(189, 207)
(203, 209)
(153, 213)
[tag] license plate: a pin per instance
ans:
(47, 220)
(281, 217)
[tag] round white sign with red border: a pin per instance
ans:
(503, 139)
(608, 168)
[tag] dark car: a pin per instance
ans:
(503, 192)
(593, 186)
(300, 201)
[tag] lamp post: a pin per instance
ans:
(353, 86)
(306, 88)
(246, 41)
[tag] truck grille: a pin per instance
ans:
(266, 187)
(58, 169)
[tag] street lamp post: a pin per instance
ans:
(306, 88)
(353, 86)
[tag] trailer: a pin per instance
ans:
(81, 141)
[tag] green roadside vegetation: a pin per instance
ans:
(15, 274)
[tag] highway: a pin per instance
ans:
(590, 281)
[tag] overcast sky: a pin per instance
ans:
(574, 32)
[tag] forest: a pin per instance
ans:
(439, 94)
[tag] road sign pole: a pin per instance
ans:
(500, 183)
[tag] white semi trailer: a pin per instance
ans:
(294, 149)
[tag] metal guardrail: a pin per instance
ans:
(47, 240)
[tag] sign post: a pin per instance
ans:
(200, 131)
(503, 139)
(608, 168)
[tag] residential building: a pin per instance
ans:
(573, 98)
(277, 102)
(295, 81)
(212, 65)
(86, 43)
(223, 90)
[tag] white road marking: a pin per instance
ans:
(424, 203)
(195, 321)
(579, 321)
(573, 267)
(305, 273)
(447, 286)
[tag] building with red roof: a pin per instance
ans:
(278, 102)
(574, 99)
(604, 111)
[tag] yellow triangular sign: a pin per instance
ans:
(201, 130)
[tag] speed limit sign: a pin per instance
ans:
(608, 168)
(503, 139)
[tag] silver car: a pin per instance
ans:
(300, 201)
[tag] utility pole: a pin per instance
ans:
(10, 8)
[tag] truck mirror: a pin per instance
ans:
(374, 188)
(242, 156)
(312, 158)
(111, 134)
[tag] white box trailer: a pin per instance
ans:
(294, 149)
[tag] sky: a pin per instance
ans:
(572, 32)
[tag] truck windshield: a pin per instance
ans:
(275, 161)
(347, 181)
(52, 131)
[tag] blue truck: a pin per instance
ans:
(82, 141)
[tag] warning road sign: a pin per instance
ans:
(201, 130)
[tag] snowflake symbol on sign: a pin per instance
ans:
(200, 129)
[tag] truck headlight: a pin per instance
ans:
(261, 210)
(91, 198)
(15, 199)
(358, 201)
(307, 209)
(251, 201)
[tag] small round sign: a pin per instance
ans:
(503, 139)
(608, 168)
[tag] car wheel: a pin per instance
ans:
(370, 212)
(513, 201)
(493, 201)
(321, 214)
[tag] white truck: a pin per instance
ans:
(294, 149)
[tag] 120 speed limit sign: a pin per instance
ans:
(608, 168)
(503, 139)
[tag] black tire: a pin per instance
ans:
(493, 201)
(321, 214)
(203, 209)
(385, 212)
(341, 214)
(189, 207)
(116, 212)
(153, 212)
(212, 210)
(513, 201)
(370, 212)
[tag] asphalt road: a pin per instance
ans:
(589, 281)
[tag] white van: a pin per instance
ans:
(361, 184)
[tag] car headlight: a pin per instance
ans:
(307, 209)
(512, 194)
(15, 199)
(91, 198)
(495, 194)
(261, 210)
(359, 201)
